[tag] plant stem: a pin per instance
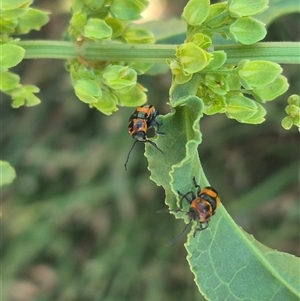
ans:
(279, 52)
(40, 49)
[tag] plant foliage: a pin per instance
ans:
(228, 264)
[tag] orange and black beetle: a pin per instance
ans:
(142, 119)
(202, 206)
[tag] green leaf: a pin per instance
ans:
(195, 12)
(128, 9)
(296, 122)
(217, 105)
(117, 26)
(138, 36)
(119, 77)
(77, 6)
(228, 263)
(237, 267)
(25, 95)
(133, 98)
(272, 90)
(201, 40)
(217, 15)
(218, 60)
(287, 122)
(7, 173)
(258, 117)
(13, 14)
(192, 58)
(241, 8)
(8, 26)
(247, 30)
(34, 19)
(78, 20)
(233, 81)
(240, 108)
(10, 55)
(87, 90)
(96, 29)
(8, 81)
(294, 99)
(216, 83)
(18, 102)
(94, 5)
(155, 69)
(259, 73)
(8, 4)
(142, 67)
(181, 139)
(107, 104)
(31, 99)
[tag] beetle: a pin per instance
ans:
(142, 119)
(203, 206)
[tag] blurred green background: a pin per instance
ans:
(77, 226)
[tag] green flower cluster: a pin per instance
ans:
(231, 19)
(293, 112)
(105, 85)
(221, 86)
(224, 90)
(16, 18)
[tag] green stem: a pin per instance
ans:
(48, 49)
(279, 52)
(129, 52)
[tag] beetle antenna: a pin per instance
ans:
(127, 159)
(154, 144)
(179, 235)
(151, 142)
